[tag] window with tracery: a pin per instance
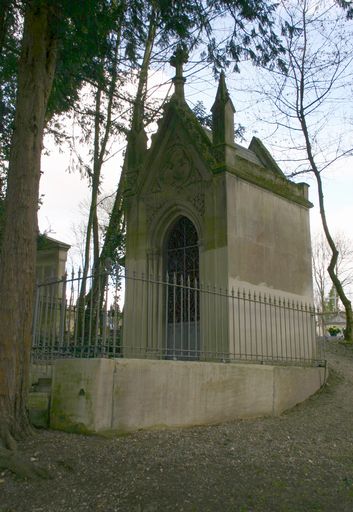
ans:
(183, 270)
(183, 252)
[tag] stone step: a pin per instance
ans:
(38, 405)
(43, 385)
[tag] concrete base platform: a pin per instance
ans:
(123, 395)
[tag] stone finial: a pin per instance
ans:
(222, 91)
(177, 60)
(223, 115)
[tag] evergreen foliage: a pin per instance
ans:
(205, 120)
(86, 31)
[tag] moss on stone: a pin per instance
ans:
(277, 185)
(38, 405)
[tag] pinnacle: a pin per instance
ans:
(179, 58)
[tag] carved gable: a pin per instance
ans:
(178, 170)
(175, 163)
(179, 175)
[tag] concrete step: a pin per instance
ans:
(44, 384)
(39, 405)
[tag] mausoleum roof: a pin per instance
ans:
(180, 135)
(46, 242)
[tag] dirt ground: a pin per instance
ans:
(301, 461)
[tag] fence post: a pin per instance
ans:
(62, 311)
(35, 317)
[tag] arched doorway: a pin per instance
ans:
(183, 298)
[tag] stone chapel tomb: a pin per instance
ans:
(205, 212)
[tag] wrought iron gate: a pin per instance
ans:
(183, 300)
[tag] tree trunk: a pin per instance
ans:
(18, 255)
(113, 236)
(332, 266)
(92, 231)
(94, 195)
(334, 252)
(302, 117)
(115, 225)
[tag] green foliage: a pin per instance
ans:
(42, 241)
(10, 33)
(86, 42)
(334, 330)
(85, 32)
(253, 35)
(347, 6)
(202, 116)
(205, 120)
(330, 304)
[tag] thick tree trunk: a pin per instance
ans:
(18, 255)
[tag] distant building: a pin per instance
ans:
(51, 268)
(51, 259)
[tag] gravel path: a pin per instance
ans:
(301, 461)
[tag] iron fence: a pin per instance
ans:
(112, 315)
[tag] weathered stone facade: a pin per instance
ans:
(252, 223)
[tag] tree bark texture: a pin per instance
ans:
(18, 251)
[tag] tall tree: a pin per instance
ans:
(307, 97)
(10, 29)
(35, 78)
(103, 125)
(43, 87)
(321, 254)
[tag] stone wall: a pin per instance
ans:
(116, 396)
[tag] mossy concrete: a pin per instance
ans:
(38, 406)
(39, 371)
(81, 392)
(113, 397)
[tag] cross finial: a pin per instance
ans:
(179, 58)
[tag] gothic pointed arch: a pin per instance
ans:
(181, 250)
(165, 219)
(181, 261)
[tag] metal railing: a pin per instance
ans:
(176, 318)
